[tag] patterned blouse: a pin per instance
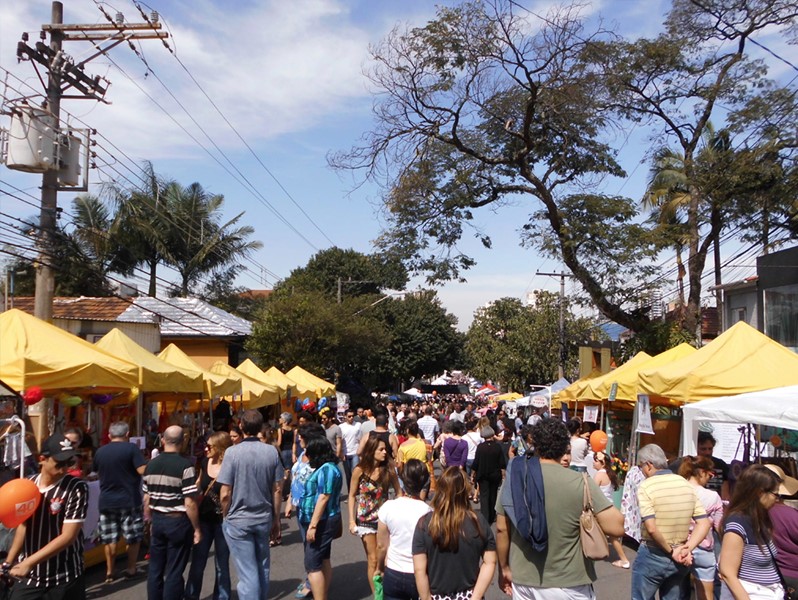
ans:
(370, 497)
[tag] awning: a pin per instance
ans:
(215, 385)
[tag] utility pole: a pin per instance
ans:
(64, 74)
(562, 275)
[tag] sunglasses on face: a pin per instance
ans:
(62, 464)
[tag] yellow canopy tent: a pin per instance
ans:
(250, 369)
(739, 360)
(569, 394)
(302, 389)
(508, 396)
(36, 353)
(156, 375)
(628, 380)
(318, 385)
(598, 388)
(255, 393)
(215, 385)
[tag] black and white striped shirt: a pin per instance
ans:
(63, 502)
(168, 479)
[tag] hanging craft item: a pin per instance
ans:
(70, 400)
(33, 395)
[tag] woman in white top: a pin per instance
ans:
(578, 446)
(473, 439)
(607, 481)
(397, 523)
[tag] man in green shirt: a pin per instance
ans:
(526, 573)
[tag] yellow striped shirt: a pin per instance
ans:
(672, 501)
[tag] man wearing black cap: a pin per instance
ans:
(51, 540)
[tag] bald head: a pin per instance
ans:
(173, 437)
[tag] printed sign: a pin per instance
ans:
(644, 415)
(590, 414)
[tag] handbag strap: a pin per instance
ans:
(587, 500)
(775, 564)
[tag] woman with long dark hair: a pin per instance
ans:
(372, 479)
(699, 470)
(747, 563)
(320, 513)
(398, 520)
(454, 551)
(607, 480)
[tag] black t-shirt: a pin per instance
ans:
(452, 572)
(209, 508)
(64, 502)
(489, 461)
(120, 483)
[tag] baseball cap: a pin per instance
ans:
(58, 448)
(788, 486)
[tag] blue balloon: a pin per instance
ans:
(322, 402)
(297, 405)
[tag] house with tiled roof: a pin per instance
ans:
(202, 331)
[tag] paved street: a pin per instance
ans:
(349, 576)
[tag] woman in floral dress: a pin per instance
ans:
(372, 479)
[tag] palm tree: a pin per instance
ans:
(197, 243)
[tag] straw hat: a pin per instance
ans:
(788, 485)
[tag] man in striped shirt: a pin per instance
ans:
(170, 490)
(668, 505)
(51, 540)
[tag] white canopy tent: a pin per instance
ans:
(777, 407)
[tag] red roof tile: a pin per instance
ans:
(89, 309)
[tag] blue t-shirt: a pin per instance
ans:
(324, 480)
(120, 482)
(251, 469)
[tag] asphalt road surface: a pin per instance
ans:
(349, 573)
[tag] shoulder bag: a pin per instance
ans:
(790, 593)
(594, 542)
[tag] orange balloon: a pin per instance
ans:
(19, 499)
(598, 440)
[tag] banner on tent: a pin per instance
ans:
(644, 415)
(590, 414)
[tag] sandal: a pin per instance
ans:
(621, 564)
(109, 578)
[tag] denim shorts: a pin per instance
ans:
(703, 567)
(319, 550)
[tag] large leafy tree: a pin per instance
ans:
(422, 339)
(697, 70)
(482, 107)
(486, 105)
(518, 345)
(324, 337)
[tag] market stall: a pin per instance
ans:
(320, 387)
(738, 361)
(254, 393)
(777, 407)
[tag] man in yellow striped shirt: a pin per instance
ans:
(668, 505)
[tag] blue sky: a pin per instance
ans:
(289, 76)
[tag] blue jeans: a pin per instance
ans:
(654, 571)
(350, 462)
(399, 586)
(171, 541)
(249, 547)
(211, 535)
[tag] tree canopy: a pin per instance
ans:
(518, 345)
(488, 104)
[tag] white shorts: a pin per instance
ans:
(526, 592)
(755, 591)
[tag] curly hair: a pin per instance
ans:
(551, 438)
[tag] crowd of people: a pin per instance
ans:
(509, 496)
